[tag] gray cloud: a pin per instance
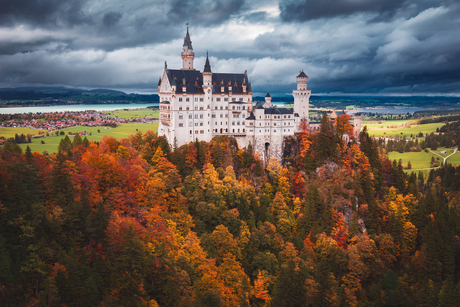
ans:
(206, 12)
(302, 10)
(45, 13)
(351, 48)
(111, 18)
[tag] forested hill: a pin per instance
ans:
(137, 223)
(61, 95)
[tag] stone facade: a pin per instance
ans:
(202, 105)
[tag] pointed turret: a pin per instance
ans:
(207, 66)
(187, 41)
(187, 53)
(207, 75)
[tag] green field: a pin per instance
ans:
(417, 159)
(10, 132)
(382, 130)
(136, 113)
(51, 142)
(422, 159)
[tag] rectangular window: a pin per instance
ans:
(201, 99)
(217, 99)
(181, 117)
(187, 99)
(180, 108)
(202, 131)
(201, 108)
(181, 125)
(187, 108)
(180, 99)
(225, 99)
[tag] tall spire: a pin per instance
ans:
(187, 41)
(207, 66)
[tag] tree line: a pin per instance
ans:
(136, 222)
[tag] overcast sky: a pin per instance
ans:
(344, 46)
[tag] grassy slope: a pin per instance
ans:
(422, 159)
(136, 113)
(377, 130)
(51, 142)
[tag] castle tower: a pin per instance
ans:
(301, 98)
(187, 53)
(357, 125)
(268, 101)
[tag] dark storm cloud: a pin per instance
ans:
(44, 13)
(111, 18)
(207, 12)
(302, 10)
(344, 46)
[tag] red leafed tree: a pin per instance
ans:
(298, 185)
(340, 230)
(343, 126)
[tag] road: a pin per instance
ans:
(445, 159)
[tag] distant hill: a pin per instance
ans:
(27, 96)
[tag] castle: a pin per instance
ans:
(202, 105)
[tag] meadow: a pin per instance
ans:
(52, 142)
(136, 113)
(381, 129)
(422, 159)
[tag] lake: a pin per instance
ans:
(75, 107)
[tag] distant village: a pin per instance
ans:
(54, 121)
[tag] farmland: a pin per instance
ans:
(399, 130)
(124, 131)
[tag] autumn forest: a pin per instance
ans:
(137, 222)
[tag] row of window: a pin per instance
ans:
(276, 116)
(274, 131)
(218, 99)
(197, 131)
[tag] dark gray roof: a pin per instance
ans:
(268, 95)
(278, 111)
(207, 66)
(187, 41)
(194, 81)
(302, 75)
(259, 105)
(251, 116)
